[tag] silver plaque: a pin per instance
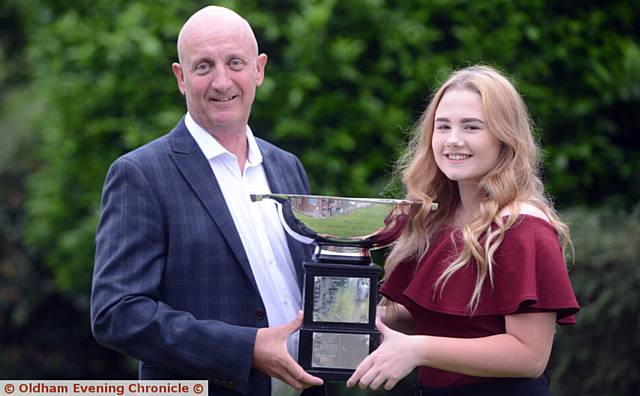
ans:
(341, 299)
(339, 350)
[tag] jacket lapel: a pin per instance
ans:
(278, 185)
(275, 177)
(196, 170)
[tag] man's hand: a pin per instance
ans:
(271, 357)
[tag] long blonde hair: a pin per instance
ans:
(513, 180)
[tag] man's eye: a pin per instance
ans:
(203, 68)
(236, 64)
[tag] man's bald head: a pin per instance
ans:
(219, 71)
(209, 21)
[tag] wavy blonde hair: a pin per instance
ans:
(512, 181)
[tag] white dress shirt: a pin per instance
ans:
(261, 233)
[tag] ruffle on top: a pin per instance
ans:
(529, 275)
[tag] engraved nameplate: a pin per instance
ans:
(341, 299)
(339, 350)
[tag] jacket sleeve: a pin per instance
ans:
(126, 311)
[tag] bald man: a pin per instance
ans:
(190, 277)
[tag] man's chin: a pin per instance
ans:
(223, 125)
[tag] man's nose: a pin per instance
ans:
(220, 80)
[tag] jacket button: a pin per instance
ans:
(259, 314)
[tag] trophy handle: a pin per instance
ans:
(287, 218)
(279, 198)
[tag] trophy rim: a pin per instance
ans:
(357, 199)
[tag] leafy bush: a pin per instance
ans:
(345, 80)
(599, 355)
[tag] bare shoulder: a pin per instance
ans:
(526, 208)
(531, 210)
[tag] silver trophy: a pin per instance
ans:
(341, 281)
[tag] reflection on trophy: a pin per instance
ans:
(341, 282)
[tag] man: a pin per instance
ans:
(190, 277)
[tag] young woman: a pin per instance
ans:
(478, 286)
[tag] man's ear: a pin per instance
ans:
(261, 62)
(177, 71)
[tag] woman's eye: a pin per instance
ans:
(442, 126)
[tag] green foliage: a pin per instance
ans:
(41, 333)
(98, 77)
(17, 285)
(351, 77)
(345, 81)
(17, 280)
(599, 355)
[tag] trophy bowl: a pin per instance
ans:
(342, 228)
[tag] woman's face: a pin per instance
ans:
(464, 149)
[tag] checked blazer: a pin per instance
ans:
(172, 285)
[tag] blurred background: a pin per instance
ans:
(84, 81)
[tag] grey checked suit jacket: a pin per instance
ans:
(172, 285)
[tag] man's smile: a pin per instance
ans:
(223, 99)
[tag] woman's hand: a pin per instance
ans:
(395, 358)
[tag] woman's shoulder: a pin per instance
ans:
(529, 209)
(530, 220)
(526, 209)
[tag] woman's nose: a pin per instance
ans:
(453, 140)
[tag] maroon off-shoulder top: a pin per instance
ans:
(529, 275)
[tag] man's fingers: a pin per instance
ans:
(290, 380)
(271, 356)
(295, 376)
(302, 376)
(309, 380)
(294, 325)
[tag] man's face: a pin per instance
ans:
(218, 75)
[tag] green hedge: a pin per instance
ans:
(599, 356)
(345, 81)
